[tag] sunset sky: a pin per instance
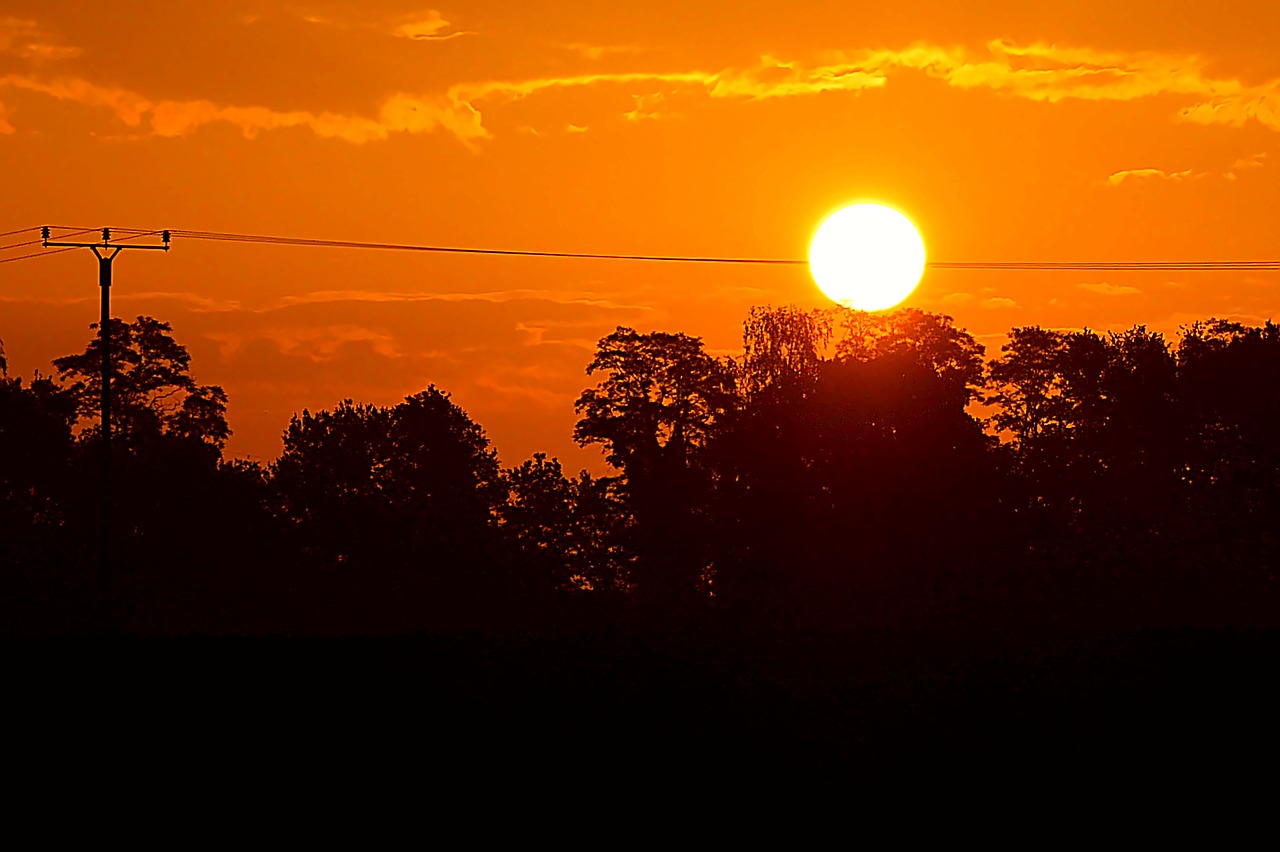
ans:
(1007, 131)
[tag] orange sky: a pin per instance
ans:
(1065, 131)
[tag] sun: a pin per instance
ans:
(867, 256)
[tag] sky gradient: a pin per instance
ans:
(1068, 131)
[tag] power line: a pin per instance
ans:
(74, 232)
(34, 255)
(20, 245)
(989, 265)
(1044, 266)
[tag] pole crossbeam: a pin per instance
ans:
(106, 252)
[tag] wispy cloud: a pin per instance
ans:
(324, 343)
(1102, 288)
(997, 302)
(401, 113)
(600, 51)
(5, 126)
(194, 301)
(1253, 161)
(1042, 72)
(567, 297)
(1247, 163)
(1117, 178)
(427, 25)
(648, 106)
(25, 38)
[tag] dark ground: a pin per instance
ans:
(680, 701)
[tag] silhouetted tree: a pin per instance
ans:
(820, 491)
(782, 349)
(661, 401)
(152, 391)
(43, 569)
(1229, 377)
(403, 497)
(1026, 384)
(929, 339)
(572, 532)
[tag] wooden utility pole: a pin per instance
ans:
(106, 252)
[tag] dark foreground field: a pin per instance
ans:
(676, 701)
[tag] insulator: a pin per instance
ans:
(106, 234)
(44, 233)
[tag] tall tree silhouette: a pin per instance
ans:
(660, 403)
(929, 339)
(401, 499)
(782, 350)
(572, 532)
(820, 489)
(1229, 375)
(152, 390)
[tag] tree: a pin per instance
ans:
(657, 410)
(931, 340)
(661, 401)
(570, 531)
(1027, 385)
(819, 489)
(782, 348)
(330, 478)
(1229, 380)
(152, 391)
(402, 499)
(35, 453)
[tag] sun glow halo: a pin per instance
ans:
(867, 256)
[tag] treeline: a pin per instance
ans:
(846, 469)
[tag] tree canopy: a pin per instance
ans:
(152, 390)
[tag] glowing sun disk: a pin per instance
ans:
(868, 257)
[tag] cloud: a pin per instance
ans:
(194, 301)
(323, 343)
(564, 297)
(599, 51)
(996, 302)
(1255, 103)
(1253, 161)
(1052, 73)
(1042, 72)
(573, 128)
(24, 38)
(5, 126)
(427, 25)
(128, 106)
(401, 113)
(1117, 178)
(1102, 288)
(648, 106)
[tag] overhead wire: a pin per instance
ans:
(20, 245)
(266, 239)
(74, 232)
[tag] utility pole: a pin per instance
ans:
(106, 252)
